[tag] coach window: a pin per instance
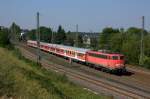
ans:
(94, 55)
(72, 53)
(121, 57)
(100, 56)
(115, 57)
(108, 57)
(105, 56)
(89, 54)
(79, 54)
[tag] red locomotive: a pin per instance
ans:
(104, 59)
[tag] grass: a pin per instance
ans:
(21, 78)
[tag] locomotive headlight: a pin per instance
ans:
(119, 65)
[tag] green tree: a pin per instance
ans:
(69, 39)
(61, 35)
(94, 44)
(79, 41)
(147, 45)
(116, 42)
(131, 48)
(137, 31)
(15, 30)
(4, 37)
(147, 51)
(45, 34)
(32, 34)
(105, 37)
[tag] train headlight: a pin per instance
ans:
(119, 65)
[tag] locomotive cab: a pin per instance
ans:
(117, 62)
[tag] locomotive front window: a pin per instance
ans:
(115, 57)
(103, 56)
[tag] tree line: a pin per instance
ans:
(57, 37)
(123, 41)
(126, 42)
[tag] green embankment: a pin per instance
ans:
(23, 79)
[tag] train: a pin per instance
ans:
(105, 60)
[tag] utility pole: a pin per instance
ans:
(142, 44)
(38, 40)
(77, 35)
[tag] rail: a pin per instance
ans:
(86, 78)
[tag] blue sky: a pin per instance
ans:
(90, 15)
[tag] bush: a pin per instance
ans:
(147, 62)
(4, 37)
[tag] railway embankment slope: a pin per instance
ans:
(21, 78)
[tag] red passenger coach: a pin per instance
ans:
(107, 60)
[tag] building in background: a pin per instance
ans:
(89, 37)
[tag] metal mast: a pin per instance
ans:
(77, 35)
(142, 44)
(38, 40)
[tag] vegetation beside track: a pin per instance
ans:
(125, 41)
(21, 78)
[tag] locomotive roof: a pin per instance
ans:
(105, 53)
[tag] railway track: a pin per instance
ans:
(87, 78)
(141, 70)
(135, 80)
